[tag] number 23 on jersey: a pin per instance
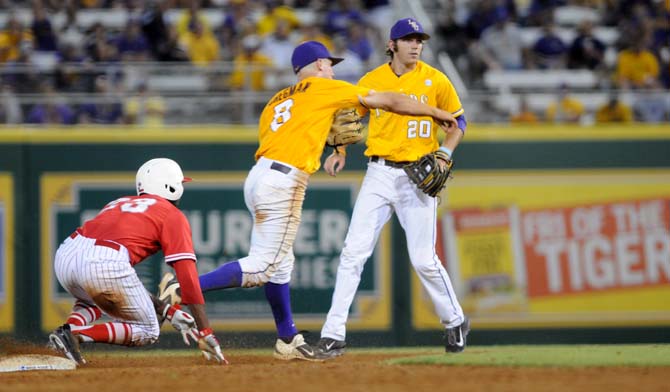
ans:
(127, 204)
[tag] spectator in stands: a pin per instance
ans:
(549, 51)
(637, 67)
(565, 109)
(501, 46)
(661, 42)
(190, 17)
(340, 15)
(131, 43)
(239, 20)
(50, 110)
(276, 10)
(275, 46)
(524, 115)
(43, 33)
(484, 14)
(652, 106)
(161, 36)
(201, 46)
(377, 15)
(10, 109)
(22, 73)
(146, 108)
(72, 73)
(539, 11)
(99, 46)
(614, 111)
(313, 32)
(250, 66)
(105, 107)
(452, 33)
(635, 20)
(12, 39)
(71, 31)
(359, 43)
(352, 68)
(586, 50)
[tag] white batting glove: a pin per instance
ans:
(182, 322)
(209, 345)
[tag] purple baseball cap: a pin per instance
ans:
(407, 26)
(308, 52)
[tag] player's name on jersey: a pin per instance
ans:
(287, 92)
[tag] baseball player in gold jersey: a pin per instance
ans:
(393, 141)
(292, 132)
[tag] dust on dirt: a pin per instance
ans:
(351, 372)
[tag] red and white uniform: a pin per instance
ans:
(95, 264)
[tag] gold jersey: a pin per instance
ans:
(295, 122)
(406, 138)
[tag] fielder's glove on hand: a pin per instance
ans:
(209, 345)
(346, 129)
(428, 174)
(182, 322)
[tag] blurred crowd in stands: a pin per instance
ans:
(52, 51)
(489, 36)
(256, 37)
(625, 43)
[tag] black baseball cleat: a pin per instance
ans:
(63, 341)
(331, 348)
(455, 338)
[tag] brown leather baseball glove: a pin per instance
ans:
(346, 129)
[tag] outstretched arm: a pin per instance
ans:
(402, 104)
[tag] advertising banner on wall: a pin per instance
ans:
(221, 227)
(6, 253)
(577, 248)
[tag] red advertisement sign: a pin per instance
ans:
(598, 247)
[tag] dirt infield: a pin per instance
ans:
(252, 371)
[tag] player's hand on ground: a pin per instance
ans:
(182, 322)
(209, 345)
(334, 163)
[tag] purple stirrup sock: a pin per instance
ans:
(226, 276)
(279, 298)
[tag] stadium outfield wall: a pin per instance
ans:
(550, 233)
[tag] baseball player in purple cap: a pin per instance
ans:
(394, 141)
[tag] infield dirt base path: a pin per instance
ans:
(352, 372)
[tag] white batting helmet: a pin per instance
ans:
(161, 177)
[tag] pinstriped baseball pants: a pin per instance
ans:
(101, 275)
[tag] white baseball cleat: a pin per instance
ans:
(297, 349)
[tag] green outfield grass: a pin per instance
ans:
(549, 355)
(535, 355)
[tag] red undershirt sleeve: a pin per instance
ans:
(187, 275)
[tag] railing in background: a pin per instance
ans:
(208, 95)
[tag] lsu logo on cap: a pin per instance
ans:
(413, 24)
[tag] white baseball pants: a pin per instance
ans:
(385, 190)
(99, 273)
(273, 192)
